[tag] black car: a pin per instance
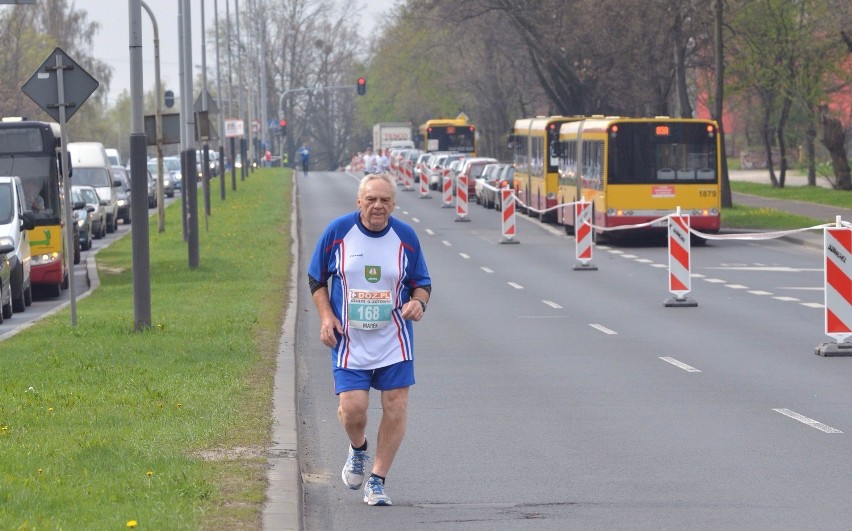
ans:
(122, 193)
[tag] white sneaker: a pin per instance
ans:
(374, 492)
(353, 470)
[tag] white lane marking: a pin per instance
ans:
(759, 292)
(786, 299)
(659, 266)
(465, 256)
(516, 285)
(715, 280)
(813, 304)
(603, 329)
(615, 251)
(644, 260)
(486, 269)
(821, 288)
(736, 286)
(629, 256)
(767, 269)
(805, 420)
(445, 242)
(680, 364)
(697, 275)
(415, 220)
(552, 304)
(430, 232)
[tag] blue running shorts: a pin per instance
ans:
(384, 378)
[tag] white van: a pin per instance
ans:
(15, 221)
(90, 166)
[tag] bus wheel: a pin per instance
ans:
(55, 290)
(7, 310)
(28, 295)
(18, 302)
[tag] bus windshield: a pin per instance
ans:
(34, 171)
(649, 153)
(451, 138)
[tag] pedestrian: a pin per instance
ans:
(369, 161)
(305, 156)
(369, 282)
(384, 162)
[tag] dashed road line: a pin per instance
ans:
(445, 242)
(760, 292)
(817, 305)
(552, 304)
(679, 364)
(465, 256)
(786, 299)
(486, 269)
(736, 286)
(515, 285)
(430, 232)
(808, 421)
(603, 329)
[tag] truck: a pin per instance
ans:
(392, 134)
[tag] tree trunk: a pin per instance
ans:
(810, 152)
(767, 145)
(718, 100)
(834, 139)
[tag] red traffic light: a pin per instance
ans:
(362, 86)
(283, 123)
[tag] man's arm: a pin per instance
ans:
(329, 323)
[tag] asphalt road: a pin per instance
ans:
(549, 398)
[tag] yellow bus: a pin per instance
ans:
(30, 150)
(448, 134)
(535, 143)
(635, 170)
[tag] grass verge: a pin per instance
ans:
(168, 428)
(768, 218)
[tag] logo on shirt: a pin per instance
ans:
(373, 273)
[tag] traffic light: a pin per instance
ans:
(362, 86)
(283, 127)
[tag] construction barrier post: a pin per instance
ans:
(461, 198)
(407, 180)
(583, 236)
(424, 187)
(507, 203)
(838, 291)
(679, 267)
(447, 187)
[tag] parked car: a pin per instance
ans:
(7, 247)
(82, 220)
(484, 195)
(444, 168)
(172, 165)
(15, 222)
(122, 193)
(97, 215)
(168, 178)
(472, 168)
(432, 168)
(506, 179)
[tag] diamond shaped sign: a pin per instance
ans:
(43, 85)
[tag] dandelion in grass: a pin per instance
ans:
(149, 473)
(132, 523)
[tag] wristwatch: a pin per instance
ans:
(422, 304)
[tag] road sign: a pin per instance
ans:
(233, 128)
(171, 128)
(212, 106)
(42, 86)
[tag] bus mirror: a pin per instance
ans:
(27, 220)
(59, 158)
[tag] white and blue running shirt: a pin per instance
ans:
(370, 276)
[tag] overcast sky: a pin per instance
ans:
(111, 44)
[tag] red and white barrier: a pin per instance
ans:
(680, 280)
(447, 187)
(838, 291)
(424, 186)
(583, 236)
(507, 203)
(408, 180)
(461, 198)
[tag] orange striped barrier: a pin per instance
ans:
(680, 281)
(838, 291)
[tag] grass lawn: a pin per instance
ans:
(767, 218)
(102, 427)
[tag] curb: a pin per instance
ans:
(284, 492)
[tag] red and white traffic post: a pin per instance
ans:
(461, 198)
(507, 205)
(680, 280)
(583, 236)
(424, 186)
(447, 188)
(838, 291)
